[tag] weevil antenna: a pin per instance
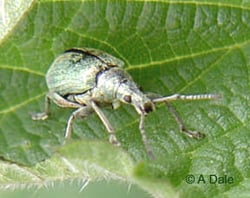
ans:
(144, 138)
(186, 97)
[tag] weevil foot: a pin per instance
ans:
(199, 135)
(39, 116)
(193, 134)
(113, 140)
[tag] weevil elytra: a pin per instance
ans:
(88, 79)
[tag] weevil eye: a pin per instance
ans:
(127, 98)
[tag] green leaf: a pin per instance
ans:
(169, 47)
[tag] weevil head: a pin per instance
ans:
(129, 93)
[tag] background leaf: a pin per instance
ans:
(169, 47)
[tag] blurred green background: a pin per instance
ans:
(72, 189)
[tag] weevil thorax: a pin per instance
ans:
(116, 85)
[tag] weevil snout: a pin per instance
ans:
(129, 93)
(142, 103)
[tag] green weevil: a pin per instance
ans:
(89, 79)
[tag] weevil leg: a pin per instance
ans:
(57, 99)
(81, 112)
(105, 121)
(182, 127)
(144, 138)
(167, 99)
(62, 102)
(42, 115)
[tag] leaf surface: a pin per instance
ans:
(186, 47)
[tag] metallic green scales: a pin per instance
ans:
(75, 71)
